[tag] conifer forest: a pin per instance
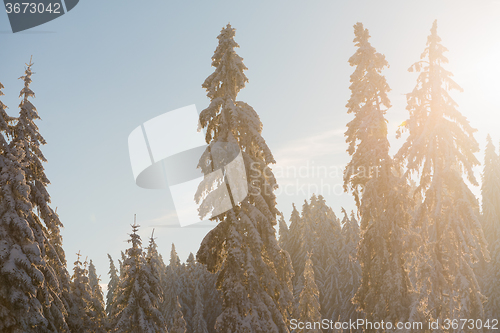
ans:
(418, 251)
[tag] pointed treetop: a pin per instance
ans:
(228, 78)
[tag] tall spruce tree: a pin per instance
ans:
(440, 148)
(366, 134)
(31, 299)
(490, 192)
(138, 295)
(27, 133)
(383, 203)
(255, 272)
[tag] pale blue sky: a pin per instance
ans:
(108, 66)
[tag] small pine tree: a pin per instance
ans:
(112, 286)
(171, 287)
(97, 306)
(292, 245)
(80, 317)
(199, 324)
(283, 232)
(350, 268)
(179, 324)
(490, 191)
(309, 308)
(138, 295)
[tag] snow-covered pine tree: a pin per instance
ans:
(367, 132)
(293, 246)
(212, 299)
(5, 120)
(440, 149)
(120, 262)
(283, 232)
(138, 294)
(199, 325)
(179, 324)
(381, 196)
(80, 314)
(157, 266)
(307, 245)
(490, 192)
(172, 287)
(30, 294)
(187, 294)
(350, 268)
(112, 285)
(326, 247)
(331, 290)
(97, 306)
(309, 310)
(255, 272)
(26, 132)
(175, 261)
(156, 260)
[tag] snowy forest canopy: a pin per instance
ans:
(419, 248)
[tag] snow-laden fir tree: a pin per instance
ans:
(283, 232)
(350, 269)
(292, 244)
(179, 324)
(120, 262)
(307, 241)
(255, 272)
(381, 196)
(490, 192)
(30, 293)
(112, 285)
(175, 261)
(158, 268)
(326, 247)
(5, 120)
(440, 148)
(81, 316)
(212, 299)
(97, 306)
(308, 310)
(367, 133)
(172, 287)
(188, 280)
(199, 325)
(27, 134)
(138, 294)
